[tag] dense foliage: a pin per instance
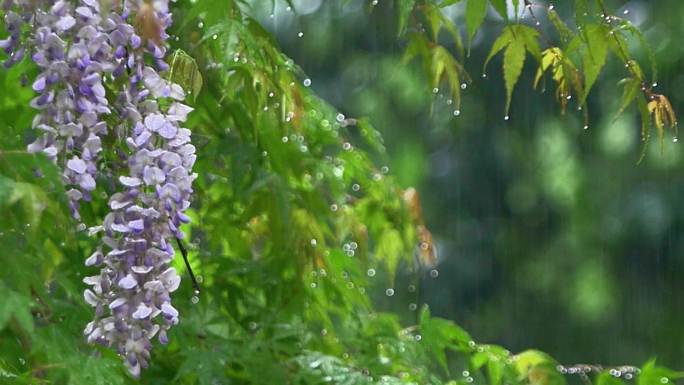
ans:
(294, 217)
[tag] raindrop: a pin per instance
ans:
(374, 2)
(457, 112)
(300, 34)
(271, 94)
(340, 117)
(389, 292)
(655, 84)
(449, 101)
(413, 306)
(569, 97)
(435, 90)
(484, 76)
(625, 12)
(469, 379)
(314, 242)
(675, 140)
(664, 380)
(434, 273)
(200, 24)
(215, 36)
(356, 187)
(384, 169)
(333, 207)
(313, 285)
(194, 299)
(289, 9)
(285, 139)
(253, 325)
(81, 227)
(466, 373)
(411, 288)
(307, 82)
(371, 273)
(506, 117)
(346, 146)
(464, 86)
(418, 337)
(586, 126)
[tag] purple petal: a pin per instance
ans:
(169, 310)
(128, 282)
(142, 311)
(77, 165)
(168, 131)
(129, 181)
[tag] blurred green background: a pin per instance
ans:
(549, 236)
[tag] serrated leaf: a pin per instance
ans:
(405, 9)
(631, 90)
(500, 7)
(514, 60)
(184, 71)
(594, 58)
(475, 13)
(500, 43)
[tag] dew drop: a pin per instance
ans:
(307, 82)
(200, 24)
(464, 86)
(449, 102)
(285, 139)
(346, 146)
(413, 306)
(214, 37)
(664, 380)
(314, 242)
(356, 187)
(434, 273)
(389, 292)
(435, 90)
(340, 117)
(371, 273)
(506, 117)
(625, 12)
(300, 34)
(384, 169)
(411, 288)
(418, 337)
(484, 76)
(333, 207)
(655, 84)
(374, 2)
(586, 126)
(457, 112)
(194, 299)
(313, 285)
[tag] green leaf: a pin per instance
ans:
(475, 13)
(594, 58)
(405, 9)
(605, 378)
(500, 43)
(631, 91)
(500, 7)
(656, 375)
(15, 306)
(514, 60)
(185, 72)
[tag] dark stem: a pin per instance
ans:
(184, 252)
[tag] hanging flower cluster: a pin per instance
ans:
(86, 53)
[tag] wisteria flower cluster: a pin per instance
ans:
(96, 84)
